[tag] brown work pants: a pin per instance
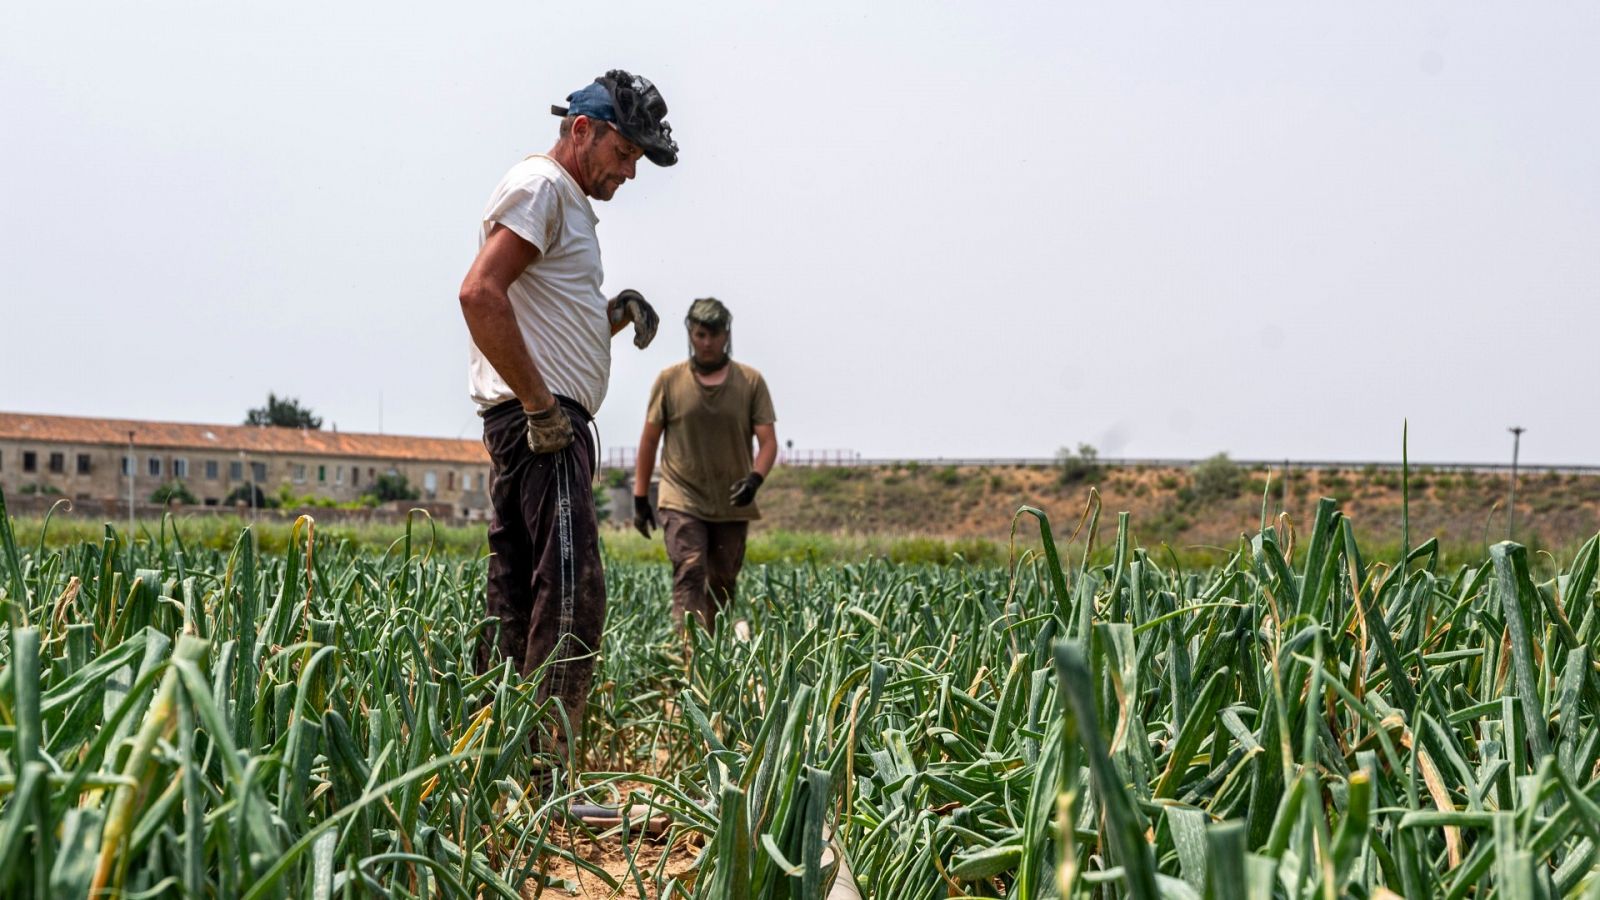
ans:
(706, 558)
(545, 581)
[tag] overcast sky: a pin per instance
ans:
(944, 229)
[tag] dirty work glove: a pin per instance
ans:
(744, 490)
(644, 518)
(549, 430)
(630, 306)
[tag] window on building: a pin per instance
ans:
(338, 475)
(235, 470)
(211, 471)
(58, 463)
(466, 481)
(30, 461)
(258, 471)
(297, 471)
(430, 482)
(450, 481)
(154, 465)
(83, 463)
(127, 465)
(180, 468)
(355, 476)
(322, 474)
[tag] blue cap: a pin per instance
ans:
(592, 100)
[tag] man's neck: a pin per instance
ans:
(566, 157)
(713, 377)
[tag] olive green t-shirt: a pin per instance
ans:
(706, 438)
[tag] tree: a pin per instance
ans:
(172, 492)
(391, 486)
(283, 413)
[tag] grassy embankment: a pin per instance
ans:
(916, 514)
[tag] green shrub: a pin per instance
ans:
(391, 486)
(822, 479)
(240, 496)
(1079, 467)
(172, 492)
(1217, 478)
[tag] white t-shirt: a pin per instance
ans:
(557, 301)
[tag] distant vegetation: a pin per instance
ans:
(283, 412)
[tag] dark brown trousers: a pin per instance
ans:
(706, 559)
(545, 581)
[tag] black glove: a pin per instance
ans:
(630, 306)
(549, 430)
(644, 518)
(743, 492)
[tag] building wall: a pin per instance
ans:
(95, 472)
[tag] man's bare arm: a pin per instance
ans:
(486, 306)
(766, 448)
(645, 467)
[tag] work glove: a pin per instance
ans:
(744, 490)
(644, 518)
(630, 306)
(549, 430)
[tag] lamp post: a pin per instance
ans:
(249, 482)
(1511, 513)
(132, 464)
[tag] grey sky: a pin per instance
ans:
(943, 228)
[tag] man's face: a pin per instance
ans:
(609, 160)
(709, 345)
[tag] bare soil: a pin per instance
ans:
(632, 863)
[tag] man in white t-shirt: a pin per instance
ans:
(538, 368)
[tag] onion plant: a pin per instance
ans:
(1299, 722)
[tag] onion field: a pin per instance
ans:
(1091, 720)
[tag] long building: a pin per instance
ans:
(107, 459)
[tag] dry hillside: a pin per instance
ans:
(1177, 506)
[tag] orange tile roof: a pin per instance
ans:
(234, 438)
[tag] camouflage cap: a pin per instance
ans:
(710, 312)
(632, 104)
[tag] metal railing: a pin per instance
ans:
(623, 457)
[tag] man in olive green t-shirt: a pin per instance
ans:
(709, 408)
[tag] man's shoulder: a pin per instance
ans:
(532, 172)
(748, 372)
(675, 372)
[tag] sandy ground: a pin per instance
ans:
(610, 854)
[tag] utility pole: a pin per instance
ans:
(1511, 513)
(132, 464)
